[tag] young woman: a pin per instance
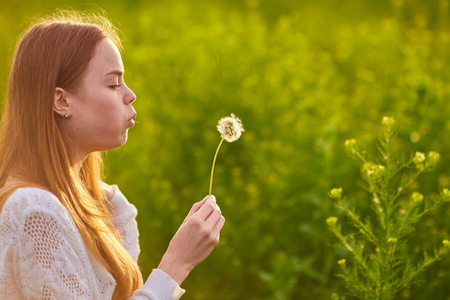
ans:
(64, 234)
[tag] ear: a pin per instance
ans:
(61, 104)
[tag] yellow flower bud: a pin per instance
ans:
(331, 221)
(445, 195)
(417, 198)
(388, 122)
(433, 158)
(335, 193)
(373, 171)
(392, 240)
(418, 159)
(351, 146)
(334, 296)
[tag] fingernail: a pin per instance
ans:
(218, 207)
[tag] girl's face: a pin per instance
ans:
(100, 108)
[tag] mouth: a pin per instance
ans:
(131, 121)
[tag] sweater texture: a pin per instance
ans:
(43, 256)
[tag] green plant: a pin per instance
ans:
(381, 261)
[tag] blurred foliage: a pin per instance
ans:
(381, 261)
(303, 76)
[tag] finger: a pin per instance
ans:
(196, 207)
(200, 203)
(219, 226)
(207, 208)
(213, 217)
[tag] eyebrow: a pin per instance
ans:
(115, 72)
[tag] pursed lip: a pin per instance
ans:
(131, 120)
(133, 117)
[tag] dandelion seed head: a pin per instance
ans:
(230, 128)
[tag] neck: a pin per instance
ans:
(77, 166)
(80, 157)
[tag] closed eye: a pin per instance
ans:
(115, 86)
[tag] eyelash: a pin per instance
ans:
(116, 86)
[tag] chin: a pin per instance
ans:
(111, 146)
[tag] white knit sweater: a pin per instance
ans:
(42, 254)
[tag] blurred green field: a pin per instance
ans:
(303, 76)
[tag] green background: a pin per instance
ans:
(303, 76)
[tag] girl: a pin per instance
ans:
(64, 234)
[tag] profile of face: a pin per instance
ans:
(100, 108)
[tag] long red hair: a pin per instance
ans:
(33, 147)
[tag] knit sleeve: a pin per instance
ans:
(47, 265)
(159, 286)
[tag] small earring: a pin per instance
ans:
(66, 115)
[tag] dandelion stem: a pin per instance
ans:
(212, 169)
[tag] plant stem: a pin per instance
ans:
(212, 170)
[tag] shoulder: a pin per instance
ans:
(108, 189)
(32, 197)
(113, 193)
(27, 201)
(118, 203)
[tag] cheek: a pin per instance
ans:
(101, 107)
(100, 104)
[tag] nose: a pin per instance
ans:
(129, 96)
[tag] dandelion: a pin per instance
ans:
(230, 129)
(341, 262)
(446, 243)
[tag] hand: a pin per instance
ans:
(195, 239)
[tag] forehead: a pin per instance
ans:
(106, 58)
